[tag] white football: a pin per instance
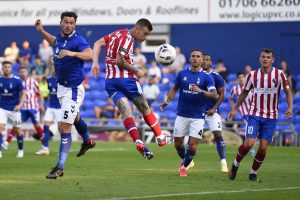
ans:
(165, 54)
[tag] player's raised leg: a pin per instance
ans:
(150, 119)
(81, 128)
(129, 124)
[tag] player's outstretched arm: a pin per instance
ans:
(39, 27)
(240, 100)
(86, 54)
(95, 71)
(169, 98)
(289, 100)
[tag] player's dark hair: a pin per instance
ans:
(266, 50)
(6, 62)
(22, 67)
(144, 22)
(196, 50)
(240, 73)
(68, 14)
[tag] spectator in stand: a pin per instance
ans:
(140, 61)
(154, 71)
(151, 90)
(287, 73)
(177, 64)
(11, 53)
(106, 112)
(221, 69)
(248, 69)
(25, 52)
(38, 68)
(45, 51)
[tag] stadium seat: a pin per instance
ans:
(297, 119)
(164, 87)
(225, 107)
(231, 77)
(296, 98)
(238, 117)
(282, 107)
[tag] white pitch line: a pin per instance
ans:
(203, 193)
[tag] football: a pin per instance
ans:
(165, 54)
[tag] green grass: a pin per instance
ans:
(116, 170)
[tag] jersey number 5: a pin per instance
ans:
(66, 114)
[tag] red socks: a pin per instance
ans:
(39, 130)
(10, 135)
(130, 126)
(259, 158)
(241, 153)
(152, 122)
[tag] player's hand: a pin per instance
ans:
(162, 106)
(64, 53)
(231, 115)
(288, 113)
(39, 26)
(17, 108)
(210, 112)
(95, 71)
(194, 88)
(139, 73)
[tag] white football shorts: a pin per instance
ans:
(70, 100)
(52, 114)
(214, 122)
(188, 127)
(12, 117)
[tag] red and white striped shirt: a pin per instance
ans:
(245, 106)
(31, 87)
(266, 92)
(118, 42)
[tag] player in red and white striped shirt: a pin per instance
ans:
(121, 79)
(236, 91)
(266, 83)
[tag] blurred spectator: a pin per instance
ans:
(45, 51)
(177, 64)
(139, 60)
(43, 86)
(11, 53)
(286, 71)
(25, 63)
(248, 69)
(86, 83)
(151, 91)
(221, 69)
(107, 111)
(154, 71)
(38, 68)
(25, 52)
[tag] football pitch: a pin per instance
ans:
(117, 171)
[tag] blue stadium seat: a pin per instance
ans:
(297, 128)
(296, 98)
(282, 107)
(88, 114)
(238, 117)
(297, 119)
(164, 87)
(225, 107)
(231, 77)
(171, 115)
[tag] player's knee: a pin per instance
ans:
(1, 128)
(64, 127)
(217, 134)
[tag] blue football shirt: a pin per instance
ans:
(10, 90)
(69, 70)
(52, 86)
(192, 104)
(219, 83)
